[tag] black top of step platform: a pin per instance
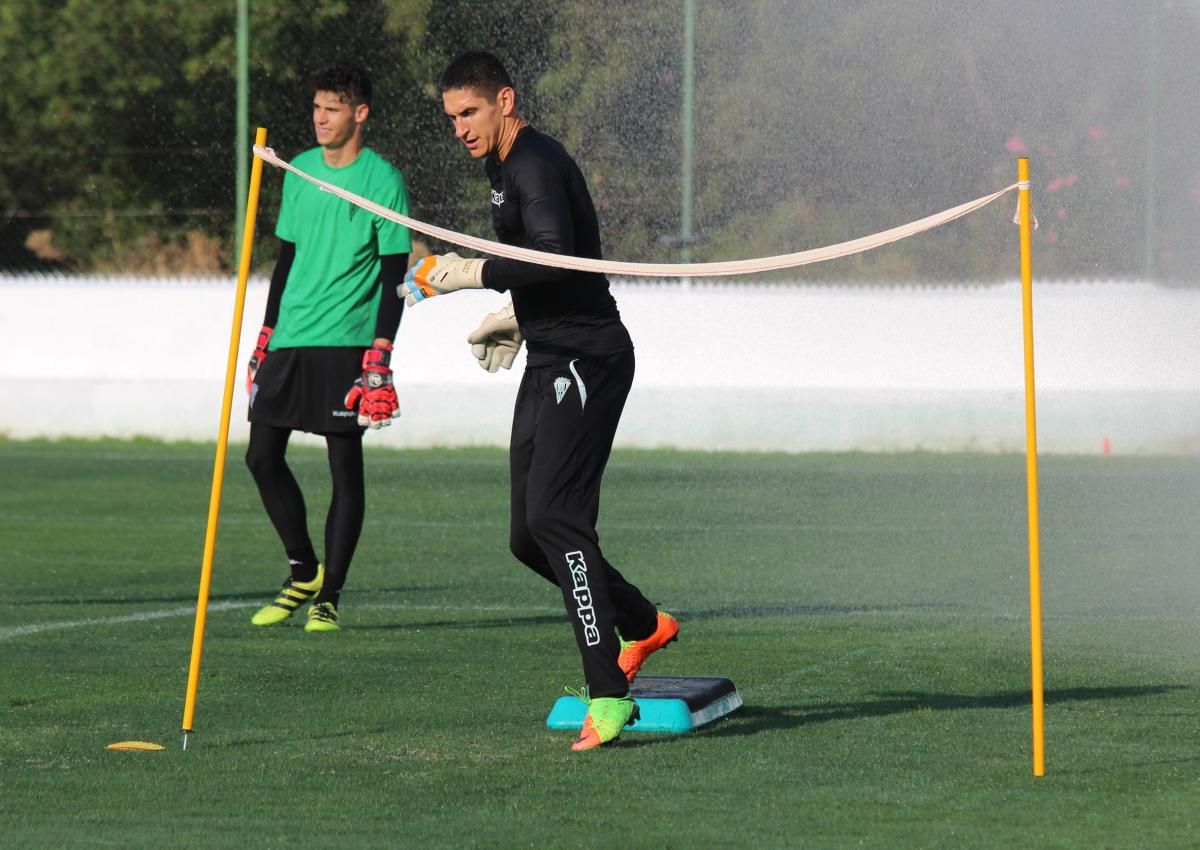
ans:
(695, 691)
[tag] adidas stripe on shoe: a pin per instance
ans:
(291, 596)
(322, 617)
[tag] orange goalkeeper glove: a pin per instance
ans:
(373, 393)
(257, 358)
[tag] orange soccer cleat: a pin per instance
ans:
(635, 652)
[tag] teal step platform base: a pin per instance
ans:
(668, 704)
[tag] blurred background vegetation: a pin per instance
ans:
(815, 122)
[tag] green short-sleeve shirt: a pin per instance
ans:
(332, 292)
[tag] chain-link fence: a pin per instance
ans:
(814, 124)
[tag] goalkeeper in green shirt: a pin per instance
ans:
(322, 362)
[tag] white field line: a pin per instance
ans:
(11, 632)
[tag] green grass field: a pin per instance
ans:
(872, 609)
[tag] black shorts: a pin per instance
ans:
(305, 389)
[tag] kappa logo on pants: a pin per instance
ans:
(561, 385)
(583, 597)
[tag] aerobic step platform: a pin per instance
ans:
(667, 703)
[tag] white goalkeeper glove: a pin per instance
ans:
(497, 340)
(439, 274)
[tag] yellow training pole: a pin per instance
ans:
(1035, 568)
(214, 502)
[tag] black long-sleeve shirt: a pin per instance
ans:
(540, 200)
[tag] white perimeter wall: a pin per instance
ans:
(792, 368)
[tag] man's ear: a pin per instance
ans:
(361, 112)
(507, 98)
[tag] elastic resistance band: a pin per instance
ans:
(723, 269)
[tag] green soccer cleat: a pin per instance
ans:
(322, 617)
(291, 596)
(606, 717)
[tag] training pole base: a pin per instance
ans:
(673, 704)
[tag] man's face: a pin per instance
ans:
(478, 121)
(335, 121)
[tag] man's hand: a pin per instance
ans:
(257, 358)
(373, 392)
(497, 340)
(439, 274)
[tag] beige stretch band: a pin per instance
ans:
(734, 267)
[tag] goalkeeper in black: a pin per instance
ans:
(578, 373)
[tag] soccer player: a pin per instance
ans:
(578, 373)
(322, 362)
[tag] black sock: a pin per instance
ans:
(327, 597)
(303, 565)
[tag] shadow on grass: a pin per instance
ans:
(734, 612)
(186, 598)
(791, 610)
(729, 611)
(753, 719)
(284, 736)
(467, 624)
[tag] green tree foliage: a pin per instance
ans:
(122, 112)
(101, 109)
(849, 119)
(611, 94)
(816, 122)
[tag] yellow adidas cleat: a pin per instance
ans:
(292, 595)
(606, 717)
(322, 617)
(635, 652)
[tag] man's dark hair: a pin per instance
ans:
(347, 81)
(477, 70)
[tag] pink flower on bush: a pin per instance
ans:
(1015, 145)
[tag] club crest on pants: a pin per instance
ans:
(561, 385)
(583, 595)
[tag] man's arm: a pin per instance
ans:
(283, 267)
(546, 218)
(548, 224)
(391, 305)
(374, 394)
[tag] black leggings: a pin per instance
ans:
(267, 459)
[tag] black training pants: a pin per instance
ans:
(563, 427)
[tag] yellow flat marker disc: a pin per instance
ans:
(139, 746)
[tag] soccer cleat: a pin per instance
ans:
(291, 596)
(635, 652)
(322, 617)
(606, 717)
